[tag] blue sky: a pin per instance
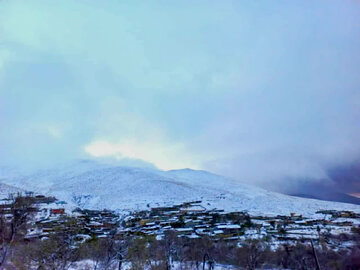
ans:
(256, 90)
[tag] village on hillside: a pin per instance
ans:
(188, 220)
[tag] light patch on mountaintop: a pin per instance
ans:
(164, 157)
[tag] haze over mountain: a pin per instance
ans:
(259, 91)
(342, 184)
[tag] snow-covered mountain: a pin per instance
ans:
(94, 185)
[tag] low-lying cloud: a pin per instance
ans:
(262, 92)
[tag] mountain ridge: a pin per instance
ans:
(122, 188)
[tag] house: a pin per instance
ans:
(184, 231)
(229, 228)
(57, 211)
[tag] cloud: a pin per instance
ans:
(257, 91)
(165, 157)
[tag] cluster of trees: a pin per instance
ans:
(57, 252)
(204, 253)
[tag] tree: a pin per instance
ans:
(138, 253)
(13, 221)
(252, 254)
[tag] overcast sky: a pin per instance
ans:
(256, 90)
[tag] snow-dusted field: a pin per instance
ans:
(97, 186)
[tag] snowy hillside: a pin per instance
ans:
(6, 190)
(93, 185)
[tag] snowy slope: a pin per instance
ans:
(93, 185)
(6, 190)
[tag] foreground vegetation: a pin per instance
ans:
(57, 252)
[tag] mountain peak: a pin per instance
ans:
(93, 185)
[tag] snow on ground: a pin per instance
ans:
(89, 264)
(92, 185)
